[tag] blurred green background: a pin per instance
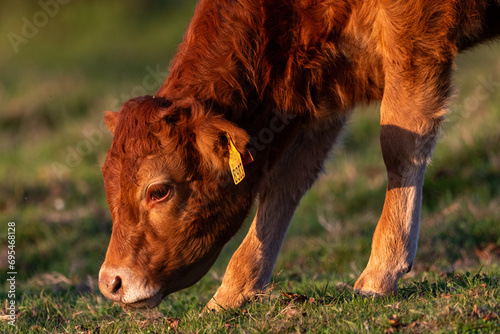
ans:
(61, 67)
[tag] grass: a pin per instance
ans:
(446, 303)
(92, 56)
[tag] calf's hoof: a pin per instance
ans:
(376, 284)
(219, 303)
(213, 306)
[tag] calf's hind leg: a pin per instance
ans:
(251, 266)
(410, 119)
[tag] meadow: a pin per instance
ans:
(63, 65)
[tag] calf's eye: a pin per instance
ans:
(159, 192)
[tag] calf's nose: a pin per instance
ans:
(111, 285)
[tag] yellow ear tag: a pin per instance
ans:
(235, 162)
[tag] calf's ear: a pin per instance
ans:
(110, 119)
(213, 138)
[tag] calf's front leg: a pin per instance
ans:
(410, 121)
(251, 266)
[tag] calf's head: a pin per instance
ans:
(171, 196)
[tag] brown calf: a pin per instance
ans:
(276, 79)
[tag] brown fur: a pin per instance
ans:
(279, 78)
